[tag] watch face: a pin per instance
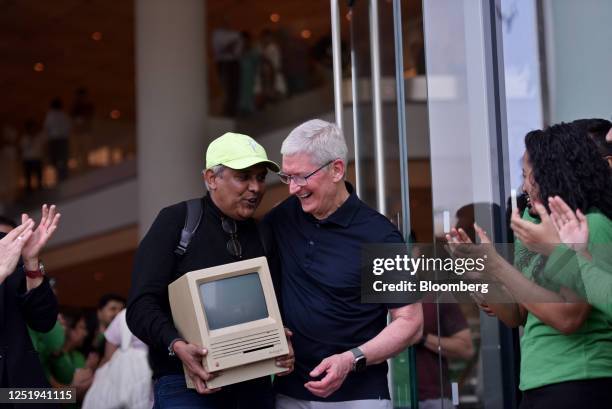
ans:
(360, 364)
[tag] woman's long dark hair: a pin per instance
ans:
(566, 163)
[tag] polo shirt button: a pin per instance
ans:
(311, 243)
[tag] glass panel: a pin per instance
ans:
(416, 144)
(467, 182)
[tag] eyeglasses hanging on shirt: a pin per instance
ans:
(233, 245)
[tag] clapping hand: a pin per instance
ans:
(572, 227)
(540, 238)
(47, 226)
(11, 247)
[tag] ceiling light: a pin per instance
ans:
(275, 17)
(39, 67)
(306, 34)
(96, 36)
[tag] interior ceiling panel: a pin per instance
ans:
(58, 34)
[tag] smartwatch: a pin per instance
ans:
(359, 363)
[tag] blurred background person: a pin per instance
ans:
(69, 368)
(227, 48)
(249, 67)
(57, 127)
(124, 378)
(82, 113)
(295, 61)
(109, 305)
(453, 340)
(32, 151)
(9, 164)
(271, 85)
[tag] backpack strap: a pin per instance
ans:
(192, 221)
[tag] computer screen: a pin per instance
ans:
(233, 301)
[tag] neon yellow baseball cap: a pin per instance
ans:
(237, 151)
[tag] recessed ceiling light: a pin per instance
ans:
(39, 67)
(306, 34)
(275, 17)
(115, 114)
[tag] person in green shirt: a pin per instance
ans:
(69, 367)
(48, 344)
(566, 348)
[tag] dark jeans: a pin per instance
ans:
(58, 154)
(584, 394)
(171, 392)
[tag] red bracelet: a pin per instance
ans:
(39, 272)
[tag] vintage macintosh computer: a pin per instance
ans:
(231, 310)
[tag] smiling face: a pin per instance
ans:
(529, 184)
(319, 196)
(237, 193)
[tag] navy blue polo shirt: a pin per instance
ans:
(320, 290)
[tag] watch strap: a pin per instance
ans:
(39, 272)
(171, 351)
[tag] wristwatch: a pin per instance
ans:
(39, 272)
(359, 364)
(171, 351)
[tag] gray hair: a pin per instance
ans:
(320, 139)
(217, 170)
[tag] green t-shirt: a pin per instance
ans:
(48, 343)
(547, 355)
(63, 366)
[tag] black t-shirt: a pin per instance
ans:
(320, 290)
(156, 266)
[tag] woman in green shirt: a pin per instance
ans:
(566, 348)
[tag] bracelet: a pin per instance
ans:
(39, 272)
(171, 351)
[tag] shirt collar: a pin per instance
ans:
(346, 212)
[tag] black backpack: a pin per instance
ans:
(192, 222)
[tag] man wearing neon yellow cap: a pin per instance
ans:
(236, 167)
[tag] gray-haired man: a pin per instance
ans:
(341, 345)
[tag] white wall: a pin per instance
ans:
(581, 55)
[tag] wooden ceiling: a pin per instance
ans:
(58, 34)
